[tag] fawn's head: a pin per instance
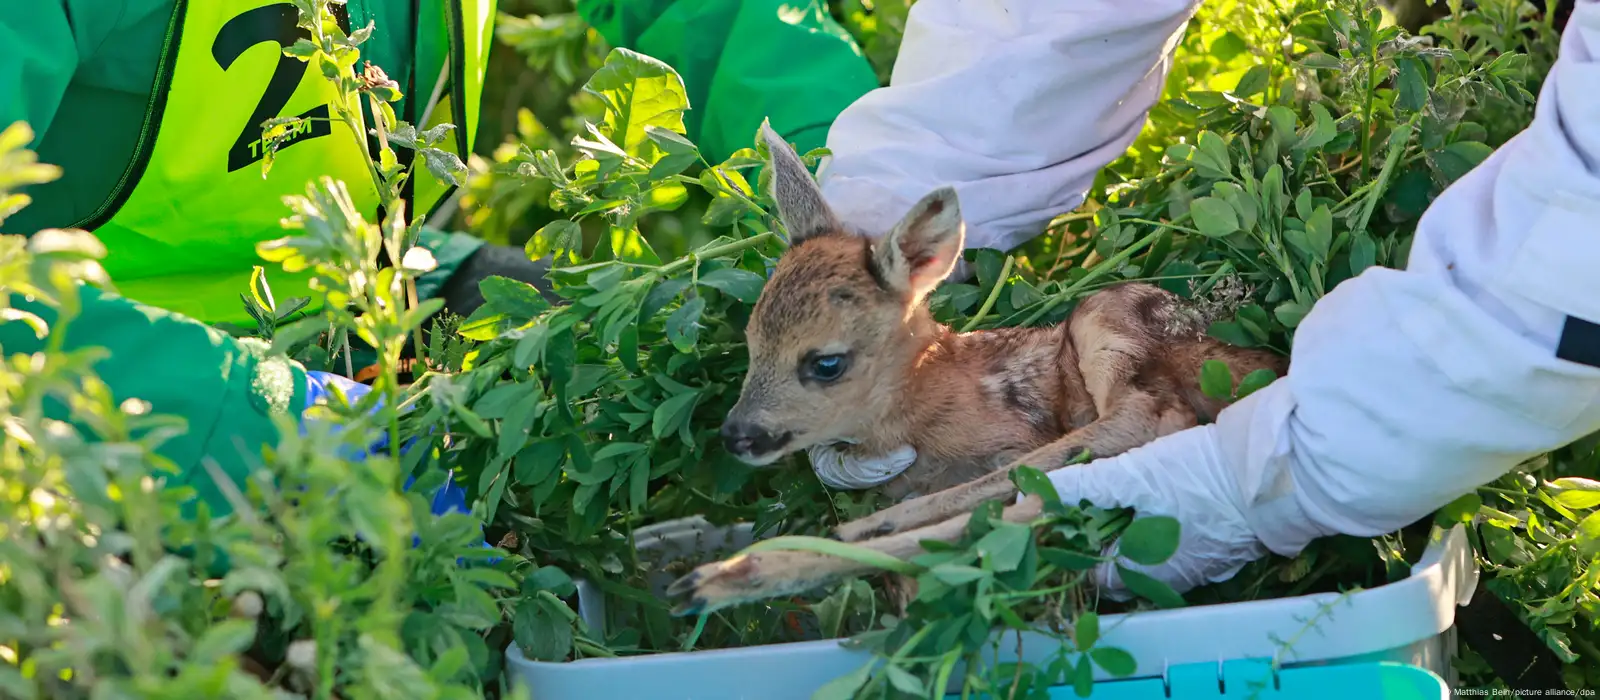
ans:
(833, 334)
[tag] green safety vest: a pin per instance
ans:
(182, 224)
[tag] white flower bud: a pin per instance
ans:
(247, 604)
(302, 655)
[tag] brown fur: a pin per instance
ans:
(1120, 372)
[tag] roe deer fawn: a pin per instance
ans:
(843, 348)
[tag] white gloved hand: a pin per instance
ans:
(1194, 477)
(842, 470)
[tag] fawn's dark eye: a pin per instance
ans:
(824, 368)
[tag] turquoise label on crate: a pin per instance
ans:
(1254, 679)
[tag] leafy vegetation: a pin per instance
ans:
(1296, 145)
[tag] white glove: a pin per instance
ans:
(841, 470)
(1189, 477)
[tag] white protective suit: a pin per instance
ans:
(1407, 388)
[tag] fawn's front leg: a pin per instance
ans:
(962, 498)
(764, 575)
(1136, 418)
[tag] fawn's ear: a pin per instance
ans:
(921, 250)
(800, 204)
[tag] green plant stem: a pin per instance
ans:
(679, 265)
(1403, 132)
(1366, 109)
(994, 294)
(1105, 266)
(699, 626)
(1040, 592)
(1503, 492)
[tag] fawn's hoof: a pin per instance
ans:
(713, 586)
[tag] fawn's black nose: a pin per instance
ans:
(749, 439)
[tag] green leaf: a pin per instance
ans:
(672, 413)
(1255, 381)
(1460, 510)
(904, 681)
(515, 429)
(1588, 532)
(1024, 295)
(661, 295)
(844, 687)
(1363, 253)
(1211, 156)
(541, 634)
(1321, 61)
(1214, 217)
(1087, 630)
(683, 326)
(491, 578)
(639, 92)
(672, 164)
(743, 285)
(1032, 482)
(680, 152)
(639, 483)
(1215, 379)
(1577, 492)
(223, 639)
(1411, 89)
(286, 337)
(1004, 546)
(444, 166)
(1115, 661)
(538, 461)
(1323, 129)
(670, 141)
(1283, 124)
(957, 574)
(616, 449)
(511, 297)
(1458, 159)
(1083, 677)
(1319, 232)
(988, 262)
(484, 324)
(497, 475)
(831, 610)
(561, 235)
(1152, 589)
(1150, 540)
(1253, 82)
(1289, 313)
(1231, 332)
(548, 578)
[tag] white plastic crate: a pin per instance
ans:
(1407, 622)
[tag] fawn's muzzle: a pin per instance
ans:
(751, 440)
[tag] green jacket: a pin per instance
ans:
(742, 61)
(80, 73)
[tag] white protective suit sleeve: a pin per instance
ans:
(1407, 388)
(1015, 103)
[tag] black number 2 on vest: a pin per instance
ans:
(276, 24)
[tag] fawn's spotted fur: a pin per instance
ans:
(843, 348)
